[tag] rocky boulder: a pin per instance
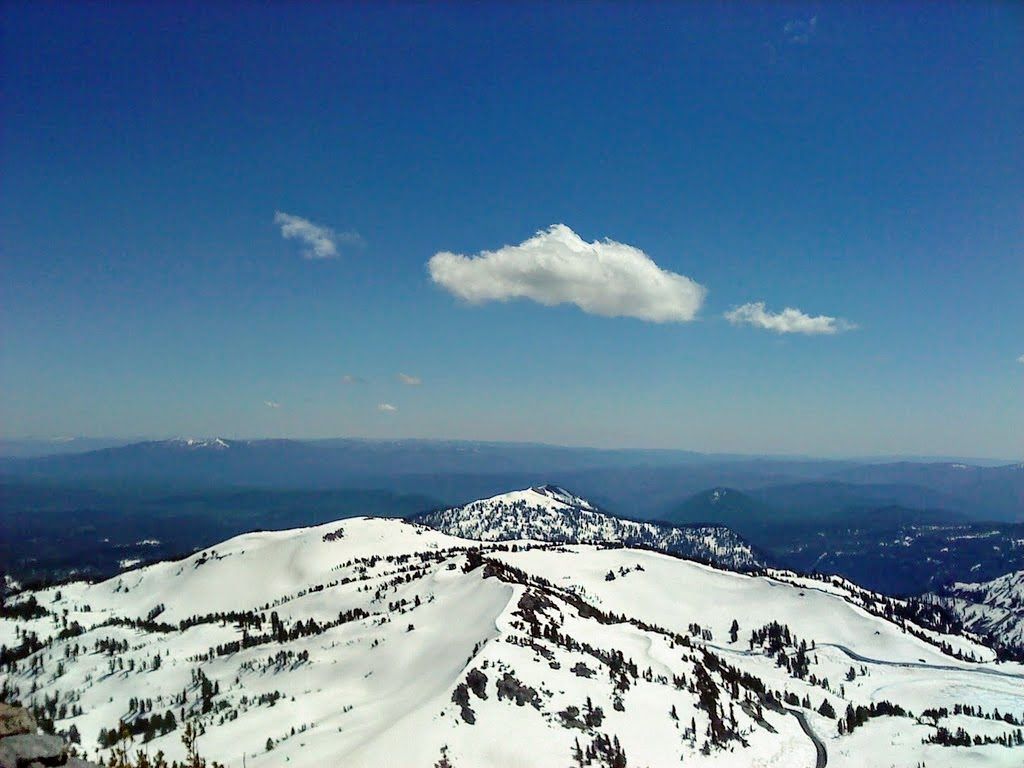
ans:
(21, 746)
(15, 720)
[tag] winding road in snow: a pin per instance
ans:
(821, 760)
(885, 663)
(819, 745)
(918, 665)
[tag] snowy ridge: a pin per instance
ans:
(992, 609)
(216, 443)
(371, 642)
(549, 513)
(1005, 592)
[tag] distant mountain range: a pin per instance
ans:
(26, 448)
(769, 509)
(900, 528)
(888, 547)
(238, 459)
(636, 483)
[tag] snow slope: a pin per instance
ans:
(992, 609)
(374, 642)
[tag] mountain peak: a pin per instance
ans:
(192, 443)
(562, 496)
(721, 505)
(548, 498)
(551, 513)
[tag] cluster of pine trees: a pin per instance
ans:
(602, 750)
(23, 610)
(961, 738)
(121, 757)
(281, 633)
(973, 710)
(857, 716)
(148, 727)
(9, 657)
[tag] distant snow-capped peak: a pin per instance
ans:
(538, 512)
(551, 513)
(215, 443)
(551, 496)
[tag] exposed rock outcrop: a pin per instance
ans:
(22, 746)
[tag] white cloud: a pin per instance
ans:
(412, 381)
(386, 408)
(271, 404)
(800, 31)
(789, 320)
(556, 266)
(322, 242)
(349, 378)
(1020, 359)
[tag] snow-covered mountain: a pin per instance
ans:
(195, 444)
(373, 642)
(992, 609)
(1005, 593)
(549, 513)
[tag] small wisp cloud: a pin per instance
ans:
(789, 320)
(271, 404)
(800, 31)
(321, 242)
(387, 408)
(412, 381)
(556, 266)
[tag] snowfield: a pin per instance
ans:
(374, 642)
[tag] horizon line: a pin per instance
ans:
(910, 457)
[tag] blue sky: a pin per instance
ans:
(859, 163)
